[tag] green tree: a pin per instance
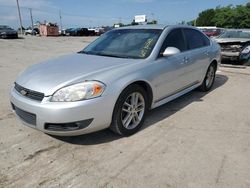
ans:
(226, 17)
(152, 22)
(206, 18)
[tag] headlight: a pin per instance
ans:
(80, 91)
(246, 50)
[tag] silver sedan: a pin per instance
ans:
(115, 80)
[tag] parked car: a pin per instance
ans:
(91, 32)
(212, 32)
(235, 45)
(68, 31)
(62, 32)
(7, 32)
(34, 31)
(97, 31)
(77, 32)
(115, 80)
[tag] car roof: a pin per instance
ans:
(148, 26)
(155, 26)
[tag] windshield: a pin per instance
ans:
(125, 43)
(5, 28)
(235, 34)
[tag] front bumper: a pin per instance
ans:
(235, 56)
(230, 55)
(98, 110)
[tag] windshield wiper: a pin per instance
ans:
(111, 55)
(83, 52)
(108, 55)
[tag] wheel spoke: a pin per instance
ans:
(125, 110)
(126, 118)
(127, 104)
(136, 117)
(128, 121)
(139, 109)
(140, 104)
(136, 99)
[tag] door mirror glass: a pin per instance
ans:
(169, 51)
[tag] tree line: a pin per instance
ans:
(226, 17)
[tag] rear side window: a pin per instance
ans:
(195, 39)
(174, 39)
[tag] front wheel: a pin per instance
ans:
(208, 81)
(129, 112)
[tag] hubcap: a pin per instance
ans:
(210, 76)
(133, 110)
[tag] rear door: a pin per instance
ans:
(199, 54)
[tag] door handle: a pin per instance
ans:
(206, 53)
(185, 59)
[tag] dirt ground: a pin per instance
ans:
(200, 140)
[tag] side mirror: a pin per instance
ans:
(169, 51)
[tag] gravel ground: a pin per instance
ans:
(198, 140)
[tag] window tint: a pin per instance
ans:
(195, 39)
(174, 39)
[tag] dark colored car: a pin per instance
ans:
(235, 45)
(91, 33)
(7, 32)
(77, 32)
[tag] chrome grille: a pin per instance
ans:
(29, 93)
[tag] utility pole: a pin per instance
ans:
(20, 19)
(31, 18)
(60, 15)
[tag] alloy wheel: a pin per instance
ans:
(133, 110)
(210, 76)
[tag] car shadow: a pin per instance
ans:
(153, 116)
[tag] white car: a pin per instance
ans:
(115, 80)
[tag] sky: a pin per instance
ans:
(89, 13)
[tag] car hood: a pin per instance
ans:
(49, 76)
(231, 40)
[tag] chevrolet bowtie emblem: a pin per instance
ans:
(23, 92)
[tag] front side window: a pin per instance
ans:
(195, 39)
(125, 43)
(174, 39)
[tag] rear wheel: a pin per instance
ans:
(208, 81)
(130, 110)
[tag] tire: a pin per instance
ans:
(208, 81)
(125, 122)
